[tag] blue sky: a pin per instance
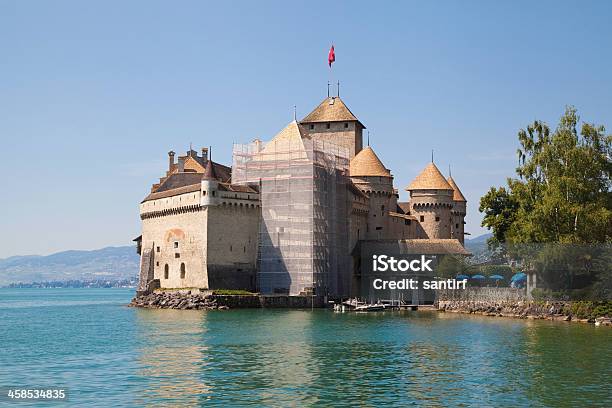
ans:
(93, 94)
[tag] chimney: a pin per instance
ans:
(205, 154)
(181, 164)
(170, 160)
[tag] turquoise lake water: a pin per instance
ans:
(107, 354)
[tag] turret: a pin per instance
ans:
(458, 212)
(333, 122)
(431, 201)
(210, 186)
(370, 175)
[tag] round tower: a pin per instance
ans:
(210, 186)
(458, 212)
(370, 175)
(431, 202)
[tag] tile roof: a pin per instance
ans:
(430, 179)
(400, 215)
(332, 109)
(457, 194)
(238, 188)
(424, 246)
(209, 172)
(366, 163)
(177, 180)
(403, 207)
(288, 144)
(173, 192)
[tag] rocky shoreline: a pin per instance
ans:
(582, 312)
(177, 300)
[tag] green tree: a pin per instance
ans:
(561, 198)
(562, 192)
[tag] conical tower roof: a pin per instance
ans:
(366, 163)
(332, 109)
(430, 179)
(209, 172)
(457, 195)
(287, 144)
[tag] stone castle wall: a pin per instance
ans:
(432, 208)
(178, 243)
(349, 137)
(232, 246)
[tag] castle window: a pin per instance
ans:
(213, 193)
(182, 271)
(422, 218)
(437, 218)
(204, 193)
(157, 263)
(328, 125)
(166, 271)
(407, 222)
(244, 249)
(378, 228)
(346, 125)
(311, 127)
(176, 244)
(158, 249)
(231, 248)
(177, 255)
(457, 226)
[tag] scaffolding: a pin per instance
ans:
(303, 237)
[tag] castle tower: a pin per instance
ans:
(333, 121)
(431, 201)
(370, 175)
(210, 185)
(457, 212)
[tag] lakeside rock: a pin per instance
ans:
(177, 300)
(550, 310)
(185, 299)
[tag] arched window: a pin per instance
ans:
(182, 271)
(166, 271)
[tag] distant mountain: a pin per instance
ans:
(478, 245)
(112, 263)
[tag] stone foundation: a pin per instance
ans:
(186, 299)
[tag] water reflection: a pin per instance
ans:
(304, 358)
(171, 356)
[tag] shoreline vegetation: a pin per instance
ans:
(597, 312)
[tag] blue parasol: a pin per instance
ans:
(462, 277)
(518, 277)
(496, 277)
(478, 277)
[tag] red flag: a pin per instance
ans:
(332, 56)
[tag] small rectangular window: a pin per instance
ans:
(346, 125)
(158, 249)
(437, 218)
(378, 228)
(311, 127)
(176, 244)
(177, 255)
(329, 125)
(457, 226)
(422, 218)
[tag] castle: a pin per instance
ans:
(293, 215)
